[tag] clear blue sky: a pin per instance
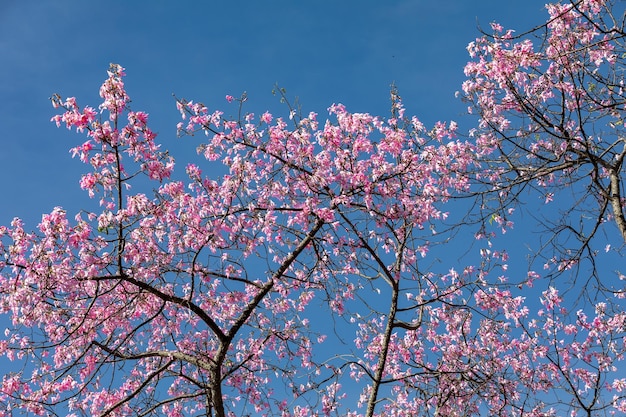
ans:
(321, 51)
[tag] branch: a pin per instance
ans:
(139, 388)
(155, 353)
(245, 314)
(168, 298)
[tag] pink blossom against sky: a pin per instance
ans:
(322, 52)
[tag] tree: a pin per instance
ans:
(201, 294)
(299, 279)
(550, 104)
(551, 119)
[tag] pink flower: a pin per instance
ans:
(266, 118)
(549, 198)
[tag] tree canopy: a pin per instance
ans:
(297, 269)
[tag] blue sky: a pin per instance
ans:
(322, 52)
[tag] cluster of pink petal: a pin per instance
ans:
(509, 77)
(499, 356)
(118, 283)
(360, 158)
(227, 270)
(110, 171)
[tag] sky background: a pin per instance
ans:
(322, 52)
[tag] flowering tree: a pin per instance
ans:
(297, 280)
(550, 104)
(194, 300)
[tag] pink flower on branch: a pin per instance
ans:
(169, 285)
(209, 292)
